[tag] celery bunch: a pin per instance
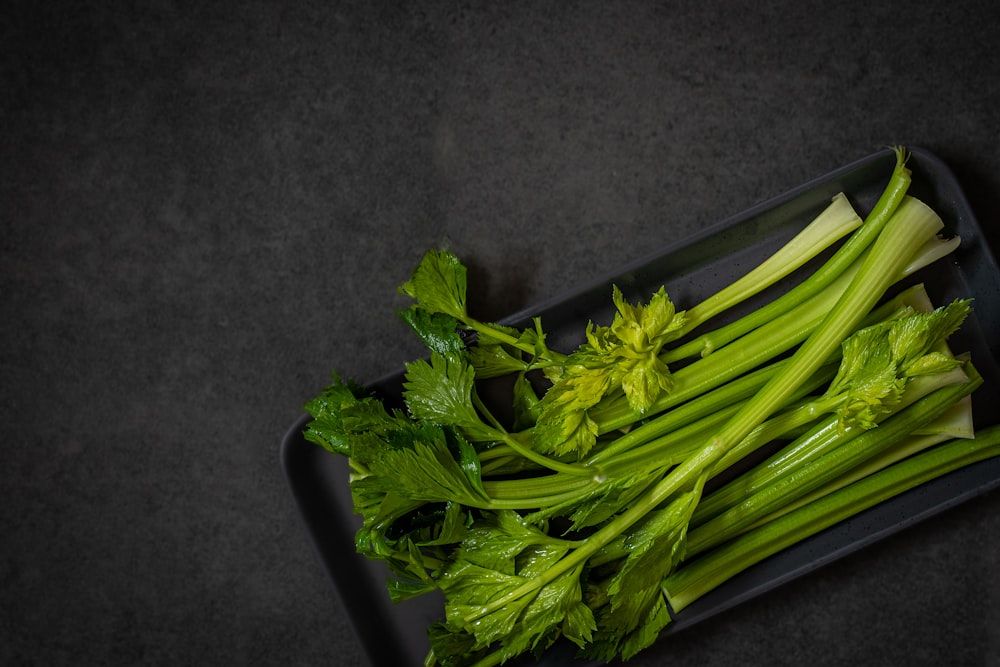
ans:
(582, 519)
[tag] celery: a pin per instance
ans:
(835, 463)
(836, 220)
(828, 434)
(890, 199)
(567, 521)
(702, 575)
(904, 234)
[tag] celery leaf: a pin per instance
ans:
(623, 356)
(440, 391)
(654, 549)
(878, 361)
(421, 464)
(342, 412)
(438, 331)
(439, 284)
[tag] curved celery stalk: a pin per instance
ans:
(698, 577)
(833, 223)
(931, 252)
(887, 204)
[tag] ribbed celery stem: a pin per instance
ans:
(887, 204)
(695, 579)
(819, 472)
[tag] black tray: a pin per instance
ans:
(394, 634)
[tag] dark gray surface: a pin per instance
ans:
(205, 209)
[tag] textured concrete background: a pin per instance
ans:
(206, 208)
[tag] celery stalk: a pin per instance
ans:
(892, 196)
(828, 467)
(823, 438)
(701, 575)
(834, 222)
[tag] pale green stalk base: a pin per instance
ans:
(833, 223)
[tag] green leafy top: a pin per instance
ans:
(879, 360)
(438, 331)
(636, 609)
(501, 552)
(439, 284)
(632, 343)
(341, 412)
(621, 356)
(441, 391)
(423, 462)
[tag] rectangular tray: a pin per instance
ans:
(693, 268)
